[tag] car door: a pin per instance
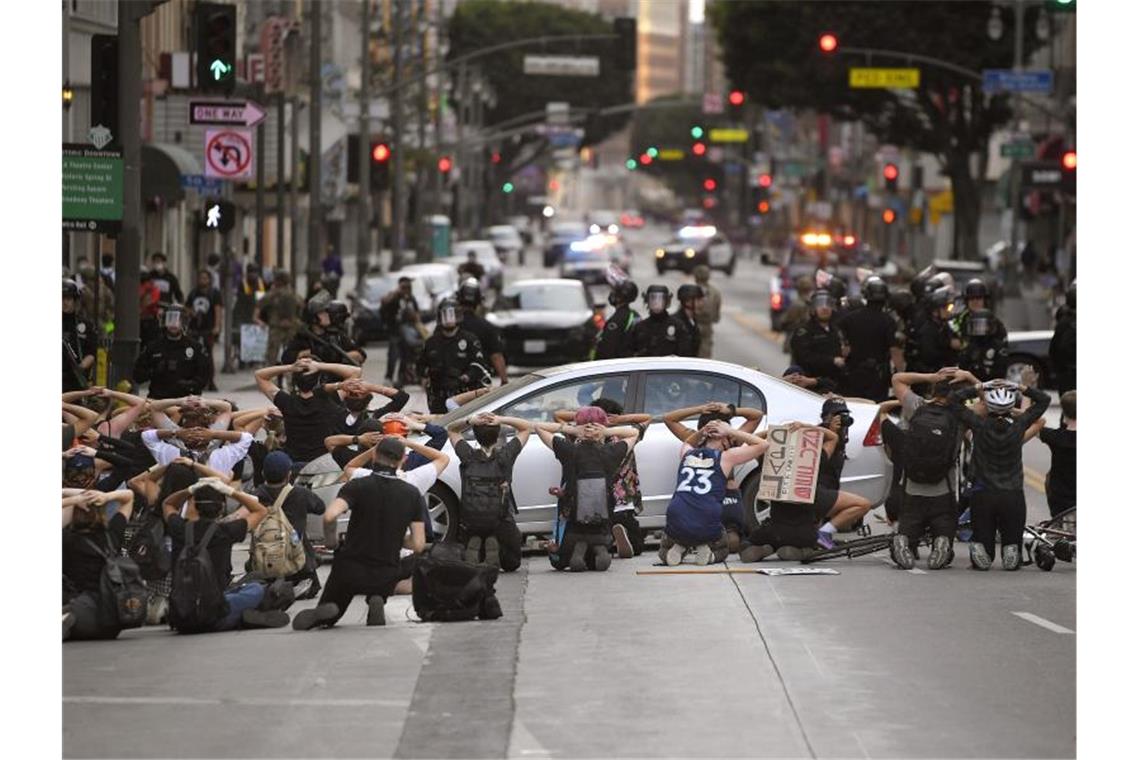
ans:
(659, 450)
(536, 469)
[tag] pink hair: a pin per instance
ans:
(590, 414)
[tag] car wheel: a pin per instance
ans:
(444, 510)
(754, 513)
(1018, 364)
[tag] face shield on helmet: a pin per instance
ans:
(979, 323)
(172, 320)
(822, 301)
(448, 316)
(657, 299)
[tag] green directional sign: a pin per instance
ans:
(1017, 150)
(92, 188)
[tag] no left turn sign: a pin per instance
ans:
(229, 153)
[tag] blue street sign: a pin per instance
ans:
(201, 184)
(1008, 80)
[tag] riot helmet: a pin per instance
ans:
(658, 298)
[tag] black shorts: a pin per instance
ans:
(777, 534)
(825, 499)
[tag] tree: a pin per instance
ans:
(483, 23)
(770, 49)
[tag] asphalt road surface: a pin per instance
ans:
(874, 662)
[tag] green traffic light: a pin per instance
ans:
(630, 164)
(219, 69)
(697, 133)
(508, 187)
(652, 152)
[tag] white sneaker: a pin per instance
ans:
(674, 556)
(703, 555)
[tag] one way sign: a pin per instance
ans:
(243, 113)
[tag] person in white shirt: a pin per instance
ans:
(197, 442)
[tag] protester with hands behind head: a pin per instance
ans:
(309, 413)
(89, 535)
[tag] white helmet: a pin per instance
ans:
(1000, 399)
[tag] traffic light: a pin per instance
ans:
(1061, 6)
(625, 49)
(735, 104)
(444, 164)
(105, 83)
(1069, 160)
(765, 180)
(828, 42)
(508, 187)
(761, 195)
(710, 185)
(763, 207)
(631, 163)
(889, 216)
(496, 157)
(217, 216)
(696, 131)
(216, 27)
(1069, 173)
(645, 159)
(652, 152)
(891, 177)
(699, 149)
(379, 153)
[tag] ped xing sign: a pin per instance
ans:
(883, 79)
(728, 135)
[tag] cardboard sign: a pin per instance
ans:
(791, 465)
(254, 342)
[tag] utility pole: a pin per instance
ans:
(125, 346)
(440, 97)
(397, 137)
(1013, 285)
(279, 179)
(461, 150)
(316, 209)
(363, 215)
(292, 60)
(259, 197)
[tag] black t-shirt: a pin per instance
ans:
(505, 455)
(221, 543)
(308, 421)
(200, 303)
(382, 509)
(299, 504)
(610, 455)
(1063, 474)
(487, 334)
(82, 565)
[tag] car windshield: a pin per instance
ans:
(543, 297)
(487, 399)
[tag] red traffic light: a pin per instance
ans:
(710, 184)
(736, 98)
(765, 180)
(699, 149)
(381, 152)
(645, 159)
(1069, 160)
(828, 42)
(444, 164)
(890, 172)
(763, 207)
(888, 216)
(496, 156)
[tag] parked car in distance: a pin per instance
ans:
(365, 303)
(561, 235)
(694, 245)
(440, 280)
(507, 241)
(485, 255)
(545, 322)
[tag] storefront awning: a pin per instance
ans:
(163, 166)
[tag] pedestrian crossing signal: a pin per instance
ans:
(218, 216)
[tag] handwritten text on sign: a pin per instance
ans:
(791, 465)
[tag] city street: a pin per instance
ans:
(873, 662)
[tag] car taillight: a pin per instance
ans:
(777, 301)
(874, 435)
(599, 321)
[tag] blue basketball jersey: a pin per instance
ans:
(694, 513)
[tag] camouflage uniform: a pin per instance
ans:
(280, 308)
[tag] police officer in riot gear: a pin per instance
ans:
(818, 346)
(978, 298)
(174, 364)
(1063, 346)
(452, 360)
(871, 333)
(986, 352)
(660, 333)
(322, 339)
(931, 344)
(470, 297)
(78, 341)
(615, 341)
(690, 297)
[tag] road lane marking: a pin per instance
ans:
(1046, 624)
(239, 701)
(754, 325)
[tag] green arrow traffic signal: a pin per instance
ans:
(219, 68)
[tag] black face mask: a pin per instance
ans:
(357, 404)
(615, 301)
(487, 435)
(303, 382)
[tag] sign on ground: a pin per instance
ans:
(561, 65)
(92, 188)
(889, 79)
(791, 465)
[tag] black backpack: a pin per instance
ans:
(586, 488)
(196, 600)
(122, 595)
(931, 444)
(148, 549)
(445, 588)
(486, 493)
